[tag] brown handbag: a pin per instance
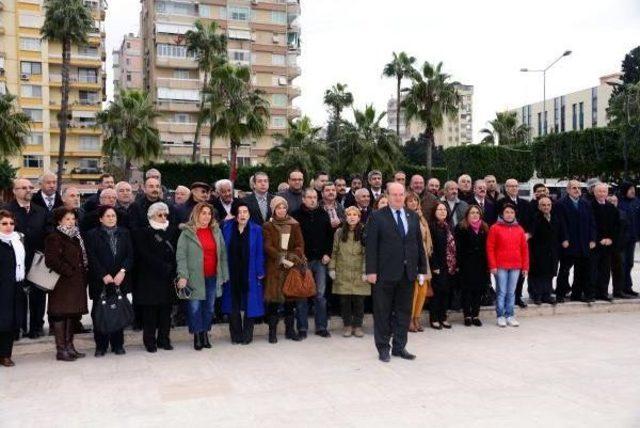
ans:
(299, 283)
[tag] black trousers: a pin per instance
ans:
(35, 303)
(352, 310)
(438, 304)
(6, 344)
(103, 340)
(540, 287)
(156, 324)
(240, 328)
(617, 271)
(471, 297)
(581, 277)
(600, 271)
(520, 286)
(392, 297)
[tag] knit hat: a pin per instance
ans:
(505, 206)
(200, 184)
(277, 200)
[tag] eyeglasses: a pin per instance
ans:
(163, 215)
(7, 223)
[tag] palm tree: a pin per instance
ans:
(210, 49)
(68, 22)
(301, 148)
(128, 126)
(504, 130)
(367, 145)
(429, 100)
(236, 111)
(14, 125)
(337, 98)
(400, 67)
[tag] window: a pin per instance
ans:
(594, 107)
(30, 21)
(278, 122)
(34, 139)
(243, 161)
(563, 101)
(176, 8)
(89, 143)
(181, 74)
(128, 77)
(88, 51)
(88, 98)
(89, 164)
(128, 61)
(31, 91)
(35, 114)
(279, 18)
(574, 117)
(581, 120)
(279, 100)
(181, 118)
(87, 75)
(241, 56)
(277, 59)
(545, 122)
(30, 68)
(540, 124)
(32, 161)
(179, 94)
(30, 44)
(173, 51)
(237, 13)
(167, 28)
(556, 114)
(128, 45)
(206, 11)
(239, 34)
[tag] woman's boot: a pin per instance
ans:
(70, 328)
(197, 341)
(206, 342)
(273, 328)
(62, 353)
(290, 331)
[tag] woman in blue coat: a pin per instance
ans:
(243, 292)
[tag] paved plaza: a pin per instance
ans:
(565, 370)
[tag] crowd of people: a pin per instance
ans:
(211, 252)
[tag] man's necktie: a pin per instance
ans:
(400, 224)
(262, 203)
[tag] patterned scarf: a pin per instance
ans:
(113, 238)
(74, 232)
(452, 265)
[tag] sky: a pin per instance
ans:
(483, 43)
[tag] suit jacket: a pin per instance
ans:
(489, 210)
(220, 213)
(577, 226)
(388, 254)
(457, 213)
(32, 225)
(38, 199)
(254, 208)
(102, 261)
(92, 202)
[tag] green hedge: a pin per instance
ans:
(595, 152)
(478, 161)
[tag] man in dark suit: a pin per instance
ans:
(486, 205)
(578, 241)
(138, 210)
(106, 182)
(374, 178)
(523, 215)
(607, 221)
(31, 220)
(259, 202)
(350, 197)
(47, 197)
(395, 257)
(224, 201)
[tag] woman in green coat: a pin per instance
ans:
(202, 267)
(347, 271)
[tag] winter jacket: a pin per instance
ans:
(507, 246)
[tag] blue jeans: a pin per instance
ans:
(506, 281)
(320, 302)
(200, 312)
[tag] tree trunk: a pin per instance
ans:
(196, 138)
(233, 167)
(127, 169)
(63, 121)
(429, 137)
(398, 111)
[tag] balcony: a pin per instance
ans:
(294, 91)
(293, 112)
(168, 82)
(176, 62)
(90, 61)
(177, 127)
(178, 106)
(293, 71)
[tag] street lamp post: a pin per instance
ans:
(544, 85)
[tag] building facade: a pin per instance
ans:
(262, 34)
(571, 112)
(31, 69)
(127, 64)
(454, 132)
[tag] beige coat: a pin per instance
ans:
(348, 262)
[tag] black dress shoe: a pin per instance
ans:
(560, 300)
(445, 324)
(302, 335)
(521, 303)
(119, 351)
(537, 302)
(384, 356)
(621, 296)
(197, 342)
(323, 333)
(605, 298)
(467, 322)
(99, 353)
(167, 346)
(404, 354)
(632, 293)
(436, 325)
(549, 300)
(206, 342)
(477, 322)
(151, 348)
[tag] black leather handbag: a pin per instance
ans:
(113, 312)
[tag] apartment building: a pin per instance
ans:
(262, 34)
(570, 112)
(454, 132)
(127, 64)
(31, 68)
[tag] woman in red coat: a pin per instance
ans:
(508, 256)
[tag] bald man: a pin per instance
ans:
(395, 259)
